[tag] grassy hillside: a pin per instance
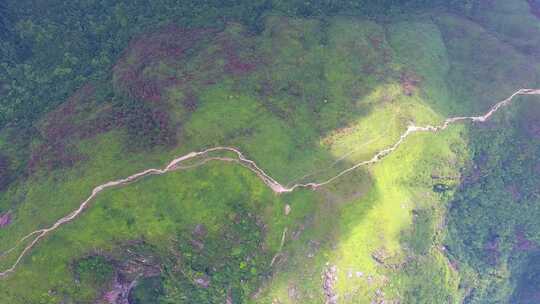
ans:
(304, 98)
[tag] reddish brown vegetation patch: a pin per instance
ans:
(5, 219)
(492, 250)
(514, 191)
(104, 121)
(60, 123)
(167, 45)
(410, 82)
(53, 156)
(150, 65)
(231, 52)
(147, 126)
(477, 170)
(190, 102)
(183, 58)
(535, 7)
(57, 131)
(377, 41)
(237, 63)
(5, 172)
(531, 120)
(522, 243)
(531, 297)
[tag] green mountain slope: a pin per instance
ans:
(447, 217)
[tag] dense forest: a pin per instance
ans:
(50, 49)
(493, 220)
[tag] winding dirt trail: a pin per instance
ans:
(176, 164)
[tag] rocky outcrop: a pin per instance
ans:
(119, 292)
(329, 278)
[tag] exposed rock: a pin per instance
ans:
(203, 281)
(229, 299)
(293, 292)
(137, 263)
(287, 209)
(314, 247)
(409, 82)
(197, 245)
(119, 292)
(329, 281)
(295, 235)
(454, 265)
(380, 256)
(200, 231)
(440, 188)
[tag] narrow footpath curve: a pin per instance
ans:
(278, 188)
